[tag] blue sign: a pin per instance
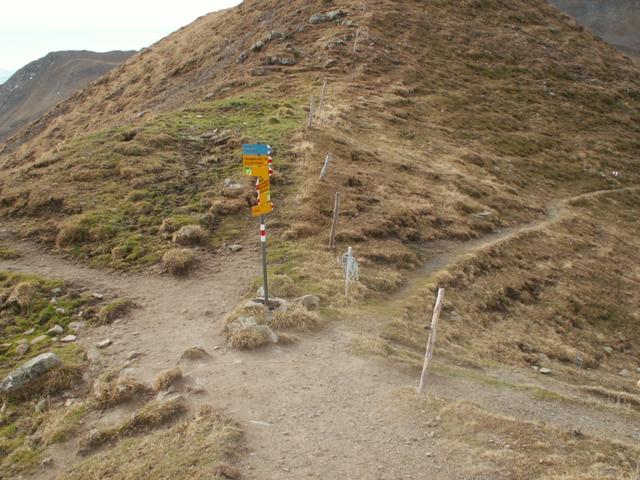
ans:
(258, 149)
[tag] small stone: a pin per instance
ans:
(56, 291)
(22, 349)
(77, 326)
(56, 330)
(638, 370)
(579, 361)
(97, 295)
(235, 248)
(609, 350)
(133, 355)
(30, 331)
(545, 371)
(47, 462)
(104, 343)
(69, 339)
(40, 339)
(624, 373)
(60, 311)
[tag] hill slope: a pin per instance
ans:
(489, 147)
(38, 86)
(617, 22)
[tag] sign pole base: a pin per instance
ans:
(263, 242)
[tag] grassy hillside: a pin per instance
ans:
(446, 122)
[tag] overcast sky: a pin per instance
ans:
(29, 29)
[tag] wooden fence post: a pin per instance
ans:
(324, 90)
(334, 222)
(325, 167)
(432, 340)
(311, 108)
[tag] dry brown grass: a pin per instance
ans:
(190, 235)
(70, 233)
(198, 447)
(23, 294)
(111, 390)
(247, 339)
(166, 379)
(113, 311)
(486, 445)
(153, 415)
(296, 317)
(616, 397)
(194, 354)
(178, 261)
(54, 381)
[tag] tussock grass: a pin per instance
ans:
(151, 416)
(62, 425)
(295, 317)
(195, 353)
(114, 311)
(111, 390)
(202, 445)
(166, 379)
(178, 261)
(247, 339)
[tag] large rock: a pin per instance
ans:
(29, 372)
(310, 302)
(326, 17)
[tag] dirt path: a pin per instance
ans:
(310, 410)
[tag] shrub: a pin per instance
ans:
(190, 235)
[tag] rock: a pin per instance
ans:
(133, 355)
(4, 347)
(543, 358)
(22, 349)
(104, 343)
(243, 56)
(579, 361)
(545, 371)
(29, 332)
(97, 295)
(29, 372)
(267, 332)
(330, 63)
(609, 350)
(274, 60)
(235, 248)
(77, 326)
(326, 17)
(69, 339)
(482, 215)
(637, 369)
(61, 311)
(624, 373)
(56, 330)
(56, 291)
(40, 339)
(47, 462)
(259, 45)
(241, 323)
(310, 302)
(42, 406)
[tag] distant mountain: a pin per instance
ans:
(615, 21)
(4, 75)
(40, 85)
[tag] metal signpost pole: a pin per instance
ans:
(263, 241)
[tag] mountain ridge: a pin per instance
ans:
(43, 83)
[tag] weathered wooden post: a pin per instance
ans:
(334, 222)
(325, 167)
(432, 340)
(324, 89)
(311, 108)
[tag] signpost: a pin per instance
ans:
(256, 162)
